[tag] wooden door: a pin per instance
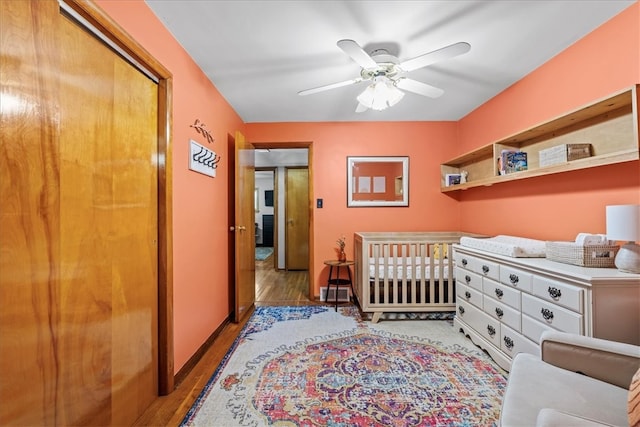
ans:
(297, 218)
(245, 239)
(78, 225)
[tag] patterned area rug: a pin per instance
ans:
(263, 253)
(311, 366)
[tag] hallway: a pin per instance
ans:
(280, 287)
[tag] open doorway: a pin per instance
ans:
(276, 284)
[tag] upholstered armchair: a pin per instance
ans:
(577, 381)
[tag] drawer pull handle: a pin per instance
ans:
(467, 278)
(547, 314)
(555, 293)
(499, 293)
(508, 342)
(514, 279)
(467, 294)
(491, 330)
(461, 310)
(485, 269)
(464, 262)
(499, 312)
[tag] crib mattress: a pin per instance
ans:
(409, 271)
(512, 246)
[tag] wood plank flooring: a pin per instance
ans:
(273, 288)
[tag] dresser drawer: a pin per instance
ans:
(552, 315)
(489, 328)
(502, 293)
(501, 312)
(478, 265)
(469, 295)
(468, 278)
(512, 343)
(559, 293)
(516, 278)
(486, 326)
(533, 329)
(469, 314)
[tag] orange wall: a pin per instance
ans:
(556, 207)
(200, 223)
(426, 143)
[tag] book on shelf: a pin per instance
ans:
(512, 161)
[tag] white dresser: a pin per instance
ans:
(504, 304)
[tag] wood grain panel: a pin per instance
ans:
(80, 264)
(297, 218)
(245, 269)
(28, 189)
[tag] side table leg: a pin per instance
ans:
(337, 286)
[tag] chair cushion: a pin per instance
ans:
(552, 418)
(534, 385)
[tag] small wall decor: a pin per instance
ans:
(201, 129)
(377, 181)
(202, 159)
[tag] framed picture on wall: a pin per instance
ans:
(369, 181)
(268, 197)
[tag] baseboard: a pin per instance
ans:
(343, 294)
(193, 360)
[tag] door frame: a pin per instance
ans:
(309, 146)
(115, 34)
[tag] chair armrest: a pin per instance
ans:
(609, 361)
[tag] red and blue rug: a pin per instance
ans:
(311, 366)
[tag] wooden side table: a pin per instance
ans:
(336, 280)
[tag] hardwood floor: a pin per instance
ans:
(273, 287)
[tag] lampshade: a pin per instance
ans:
(380, 94)
(623, 223)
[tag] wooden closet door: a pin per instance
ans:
(78, 225)
(297, 215)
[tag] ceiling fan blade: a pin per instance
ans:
(356, 53)
(435, 56)
(331, 86)
(419, 88)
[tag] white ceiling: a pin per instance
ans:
(260, 53)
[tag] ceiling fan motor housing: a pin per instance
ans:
(387, 66)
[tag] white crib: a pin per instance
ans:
(405, 271)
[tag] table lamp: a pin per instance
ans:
(623, 224)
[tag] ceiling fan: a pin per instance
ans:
(387, 74)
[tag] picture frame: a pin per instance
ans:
(452, 179)
(377, 181)
(268, 198)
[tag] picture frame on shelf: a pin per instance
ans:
(452, 179)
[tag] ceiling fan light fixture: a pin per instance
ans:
(380, 94)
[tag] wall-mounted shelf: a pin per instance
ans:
(609, 125)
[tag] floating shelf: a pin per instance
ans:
(609, 125)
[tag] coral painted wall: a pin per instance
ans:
(426, 143)
(200, 262)
(552, 207)
(556, 207)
